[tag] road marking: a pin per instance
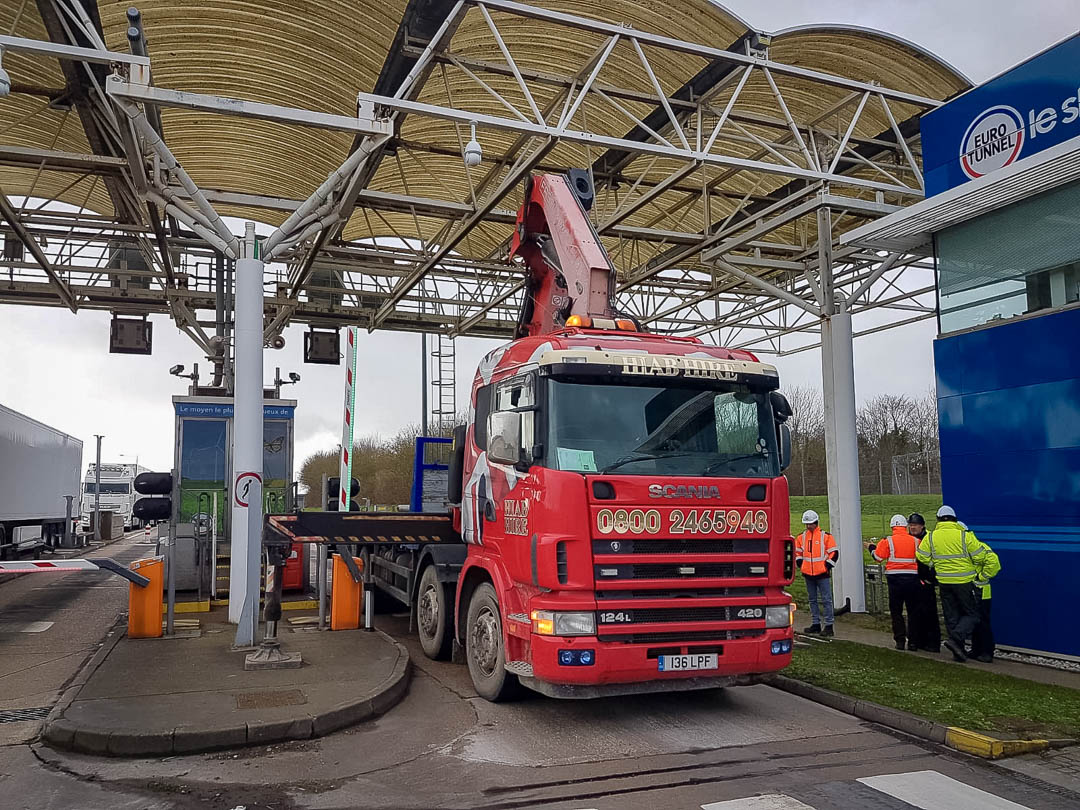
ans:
(771, 801)
(931, 790)
(25, 627)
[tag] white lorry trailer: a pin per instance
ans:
(39, 465)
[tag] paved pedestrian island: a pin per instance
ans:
(143, 697)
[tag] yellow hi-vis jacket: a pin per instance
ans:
(990, 567)
(954, 552)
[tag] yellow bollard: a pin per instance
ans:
(346, 596)
(144, 603)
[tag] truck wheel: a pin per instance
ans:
(484, 648)
(434, 615)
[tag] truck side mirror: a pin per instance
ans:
(781, 407)
(785, 447)
(504, 437)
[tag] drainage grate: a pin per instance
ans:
(19, 715)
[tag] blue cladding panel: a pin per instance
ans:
(1009, 415)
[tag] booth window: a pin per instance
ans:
(1021, 259)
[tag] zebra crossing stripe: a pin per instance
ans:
(930, 790)
(772, 801)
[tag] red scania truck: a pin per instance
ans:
(621, 515)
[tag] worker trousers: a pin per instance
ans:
(819, 590)
(982, 639)
(961, 608)
(903, 595)
(924, 625)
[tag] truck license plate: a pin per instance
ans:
(680, 663)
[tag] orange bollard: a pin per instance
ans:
(144, 603)
(346, 596)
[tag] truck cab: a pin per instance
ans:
(626, 516)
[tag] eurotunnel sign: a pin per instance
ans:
(1030, 108)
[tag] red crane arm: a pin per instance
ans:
(568, 272)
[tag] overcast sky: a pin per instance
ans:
(57, 369)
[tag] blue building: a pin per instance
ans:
(1002, 219)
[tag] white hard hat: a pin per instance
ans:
(946, 511)
(809, 516)
(898, 520)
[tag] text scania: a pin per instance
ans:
(681, 491)
(516, 517)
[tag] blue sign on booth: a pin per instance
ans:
(224, 410)
(1030, 108)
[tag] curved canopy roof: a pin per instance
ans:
(751, 120)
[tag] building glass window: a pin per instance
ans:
(1021, 259)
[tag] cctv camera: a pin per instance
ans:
(473, 153)
(176, 370)
(5, 78)
(278, 342)
(294, 376)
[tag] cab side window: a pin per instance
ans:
(519, 394)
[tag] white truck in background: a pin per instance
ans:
(39, 465)
(117, 494)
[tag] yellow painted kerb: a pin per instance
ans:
(980, 745)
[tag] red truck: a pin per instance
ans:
(621, 521)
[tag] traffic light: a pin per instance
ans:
(333, 494)
(155, 508)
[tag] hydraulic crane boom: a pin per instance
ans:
(568, 272)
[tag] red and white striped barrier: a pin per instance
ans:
(40, 565)
(99, 564)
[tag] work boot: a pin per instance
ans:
(911, 647)
(813, 629)
(957, 650)
(828, 632)
(986, 659)
(900, 644)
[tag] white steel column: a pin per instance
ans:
(845, 502)
(841, 437)
(247, 456)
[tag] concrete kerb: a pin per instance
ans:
(959, 739)
(61, 733)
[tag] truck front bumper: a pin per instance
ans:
(619, 668)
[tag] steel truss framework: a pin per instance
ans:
(721, 207)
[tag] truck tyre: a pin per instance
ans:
(434, 615)
(484, 648)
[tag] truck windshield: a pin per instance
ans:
(109, 489)
(725, 431)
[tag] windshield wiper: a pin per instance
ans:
(708, 470)
(642, 457)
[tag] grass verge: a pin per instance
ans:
(877, 510)
(952, 694)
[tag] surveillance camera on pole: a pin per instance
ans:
(5, 78)
(474, 153)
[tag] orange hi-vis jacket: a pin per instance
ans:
(815, 552)
(897, 552)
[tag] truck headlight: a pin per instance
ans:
(778, 616)
(552, 623)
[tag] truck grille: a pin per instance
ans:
(680, 593)
(678, 545)
(679, 571)
(677, 637)
(726, 613)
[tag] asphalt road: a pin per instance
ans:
(740, 749)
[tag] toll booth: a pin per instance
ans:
(203, 465)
